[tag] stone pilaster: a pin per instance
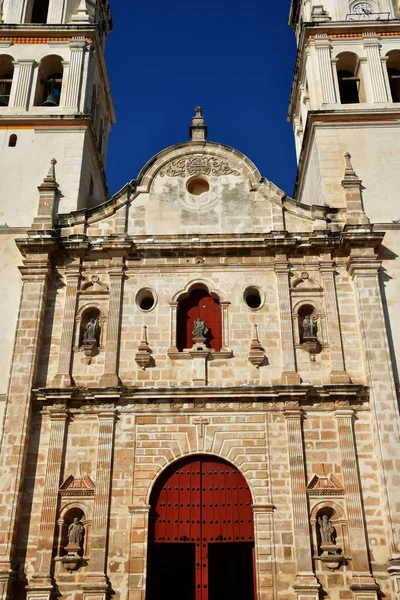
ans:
(41, 585)
(110, 377)
(264, 550)
(363, 584)
(306, 585)
(96, 584)
(63, 377)
(225, 325)
(289, 374)
(383, 397)
(373, 51)
(24, 74)
(173, 327)
(138, 551)
(56, 11)
(323, 48)
(16, 11)
(74, 85)
(16, 423)
(338, 369)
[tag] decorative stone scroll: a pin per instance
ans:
(198, 165)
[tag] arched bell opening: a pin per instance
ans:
(6, 78)
(199, 304)
(393, 69)
(37, 11)
(201, 533)
(351, 87)
(50, 82)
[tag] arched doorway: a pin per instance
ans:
(201, 533)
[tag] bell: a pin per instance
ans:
(51, 100)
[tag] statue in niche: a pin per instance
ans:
(200, 330)
(75, 533)
(327, 530)
(91, 332)
(309, 328)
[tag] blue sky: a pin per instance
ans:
(235, 59)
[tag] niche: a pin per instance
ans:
(308, 329)
(12, 140)
(90, 329)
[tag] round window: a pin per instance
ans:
(197, 186)
(252, 297)
(146, 299)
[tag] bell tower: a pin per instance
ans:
(55, 102)
(345, 111)
(346, 98)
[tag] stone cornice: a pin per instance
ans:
(294, 396)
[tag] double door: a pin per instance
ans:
(201, 539)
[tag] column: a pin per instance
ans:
(96, 584)
(74, 83)
(363, 585)
(41, 585)
(338, 369)
(24, 74)
(110, 377)
(383, 398)
(323, 48)
(63, 377)
(16, 423)
(306, 585)
(289, 374)
(373, 52)
(56, 11)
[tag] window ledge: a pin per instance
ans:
(174, 354)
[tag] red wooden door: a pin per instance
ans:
(199, 305)
(203, 501)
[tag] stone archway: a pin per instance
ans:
(201, 533)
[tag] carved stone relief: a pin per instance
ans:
(198, 165)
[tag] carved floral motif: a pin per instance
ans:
(198, 165)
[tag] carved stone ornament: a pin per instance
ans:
(198, 165)
(143, 356)
(77, 486)
(331, 553)
(256, 354)
(325, 486)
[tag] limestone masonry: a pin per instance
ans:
(199, 375)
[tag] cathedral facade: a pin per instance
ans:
(199, 375)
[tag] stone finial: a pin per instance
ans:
(51, 175)
(143, 356)
(48, 190)
(81, 14)
(349, 171)
(198, 131)
(352, 186)
(256, 354)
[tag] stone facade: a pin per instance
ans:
(108, 390)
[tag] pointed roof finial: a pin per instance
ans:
(198, 131)
(81, 13)
(51, 175)
(349, 171)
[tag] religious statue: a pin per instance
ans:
(200, 330)
(327, 530)
(91, 331)
(309, 328)
(75, 533)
